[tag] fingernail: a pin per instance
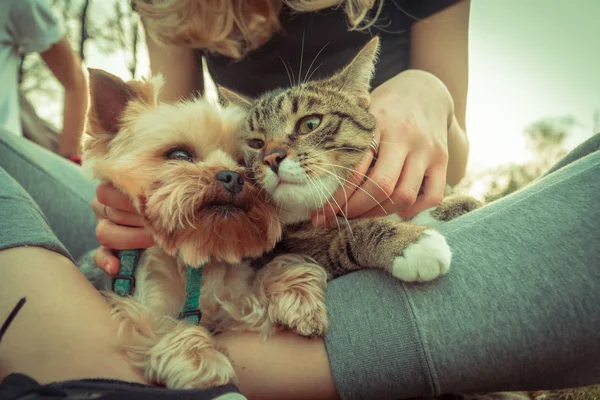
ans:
(109, 268)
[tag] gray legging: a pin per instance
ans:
(519, 310)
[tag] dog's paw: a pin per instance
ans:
(293, 290)
(187, 359)
(302, 313)
(424, 260)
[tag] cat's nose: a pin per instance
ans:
(231, 180)
(274, 158)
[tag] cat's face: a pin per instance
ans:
(182, 166)
(304, 142)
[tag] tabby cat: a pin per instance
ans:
(302, 144)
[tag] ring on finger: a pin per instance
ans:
(375, 147)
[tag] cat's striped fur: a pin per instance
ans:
(302, 144)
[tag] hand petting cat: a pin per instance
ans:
(414, 110)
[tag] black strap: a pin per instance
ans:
(12, 316)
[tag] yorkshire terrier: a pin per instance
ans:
(182, 167)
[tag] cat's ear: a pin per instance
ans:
(355, 78)
(229, 97)
(110, 96)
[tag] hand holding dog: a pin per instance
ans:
(118, 227)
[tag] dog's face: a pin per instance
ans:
(181, 166)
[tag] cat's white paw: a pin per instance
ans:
(424, 260)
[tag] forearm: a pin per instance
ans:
(177, 65)
(285, 366)
(75, 108)
(64, 330)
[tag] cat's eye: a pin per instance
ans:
(180, 154)
(308, 124)
(256, 143)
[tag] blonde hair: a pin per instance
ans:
(233, 27)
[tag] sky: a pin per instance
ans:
(529, 59)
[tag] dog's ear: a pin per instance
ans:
(110, 96)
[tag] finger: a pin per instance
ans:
(410, 182)
(406, 192)
(380, 184)
(106, 260)
(119, 217)
(433, 192)
(337, 203)
(122, 237)
(114, 198)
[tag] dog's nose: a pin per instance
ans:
(231, 180)
(274, 158)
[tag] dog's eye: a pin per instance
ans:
(180, 154)
(256, 143)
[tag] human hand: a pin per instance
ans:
(118, 227)
(413, 111)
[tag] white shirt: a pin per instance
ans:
(26, 26)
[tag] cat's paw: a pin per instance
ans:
(424, 260)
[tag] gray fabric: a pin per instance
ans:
(22, 223)
(56, 185)
(519, 309)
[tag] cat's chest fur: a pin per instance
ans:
(295, 215)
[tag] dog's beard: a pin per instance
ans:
(192, 215)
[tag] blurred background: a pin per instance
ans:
(534, 88)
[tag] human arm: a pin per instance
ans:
(421, 117)
(66, 67)
(178, 67)
(286, 366)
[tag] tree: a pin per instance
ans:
(107, 26)
(546, 138)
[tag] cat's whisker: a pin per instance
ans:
(301, 59)
(313, 61)
(364, 176)
(358, 187)
(311, 74)
(345, 211)
(317, 207)
(311, 182)
(358, 150)
(286, 69)
(328, 195)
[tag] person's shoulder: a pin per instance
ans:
(24, 8)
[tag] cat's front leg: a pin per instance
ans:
(409, 252)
